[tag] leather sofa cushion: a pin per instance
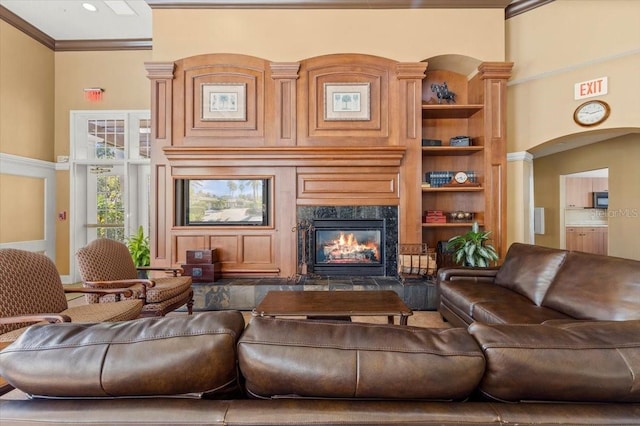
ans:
(149, 356)
(334, 359)
(465, 295)
(561, 361)
(530, 269)
(591, 286)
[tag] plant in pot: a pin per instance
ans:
(140, 250)
(472, 248)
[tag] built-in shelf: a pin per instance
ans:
(451, 150)
(450, 111)
(450, 225)
(453, 189)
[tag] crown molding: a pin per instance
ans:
(328, 4)
(12, 19)
(96, 45)
(522, 6)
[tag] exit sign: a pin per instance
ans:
(590, 88)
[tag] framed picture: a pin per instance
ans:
(347, 101)
(224, 101)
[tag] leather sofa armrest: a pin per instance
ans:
(468, 274)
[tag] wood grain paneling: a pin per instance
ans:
(182, 243)
(347, 185)
(191, 128)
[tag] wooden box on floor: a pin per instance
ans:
(203, 272)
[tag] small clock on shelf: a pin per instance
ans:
(461, 179)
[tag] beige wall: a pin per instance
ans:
(554, 47)
(621, 156)
(23, 220)
(38, 89)
(120, 73)
(26, 130)
(581, 40)
(292, 35)
(123, 76)
(26, 95)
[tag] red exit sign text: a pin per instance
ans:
(591, 88)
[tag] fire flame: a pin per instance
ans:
(347, 248)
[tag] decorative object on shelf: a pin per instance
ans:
(443, 93)
(460, 141)
(431, 142)
(347, 101)
(461, 179)
(591, 113)
(434, 216)
(461, 216)
(472, 248)
(416, 260)
(224, 101)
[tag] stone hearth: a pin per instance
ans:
(246, 293)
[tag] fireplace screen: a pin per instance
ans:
(348, 247)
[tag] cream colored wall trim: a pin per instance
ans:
(573, 67)
(520, 156)
(29, 167)
(527, 203)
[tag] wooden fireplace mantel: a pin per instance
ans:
(347, 156)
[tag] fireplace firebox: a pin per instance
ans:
(348, 247)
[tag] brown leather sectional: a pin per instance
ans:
(567, 368)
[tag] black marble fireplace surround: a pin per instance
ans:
(387, 216)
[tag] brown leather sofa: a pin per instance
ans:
(210, 369)
(536, 284)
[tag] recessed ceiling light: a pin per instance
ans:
(90, 7)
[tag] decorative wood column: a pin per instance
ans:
(494, 76)
(410, 76)
(285, 75)
(161, 76)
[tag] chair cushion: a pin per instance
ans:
(325, 359)
(168, 288)
(149, 356)
(561, 361)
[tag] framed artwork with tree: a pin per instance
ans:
(347, 101)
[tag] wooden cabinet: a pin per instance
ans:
(587, 239)
(578, 190)
(479, 112)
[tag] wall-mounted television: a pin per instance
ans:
(219, 202)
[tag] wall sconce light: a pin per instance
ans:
(93, 94)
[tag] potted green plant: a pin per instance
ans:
(140, 249)
(472, 248)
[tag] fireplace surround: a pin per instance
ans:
(348, 240)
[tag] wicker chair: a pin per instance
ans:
(31, 292)
(106, 263)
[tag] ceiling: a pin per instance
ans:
(69, 20)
